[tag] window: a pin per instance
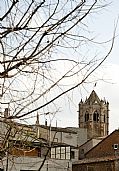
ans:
(86, 116)
(115, 146)
(72, 155)
(55, 139)
(96, 116)
(53, 153)
(1, 169)
(82, 151)
(60, 153)
(104, 118)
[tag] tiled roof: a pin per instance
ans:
(95, 160)
(96, 138)
(58, 129)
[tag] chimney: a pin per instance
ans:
(6, 112)
(37, 120)
(46, 122)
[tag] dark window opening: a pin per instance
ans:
(96, 116)
(82, 151)
(72, 154)
(104, 118)
(86, 116)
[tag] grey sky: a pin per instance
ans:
(109, 88)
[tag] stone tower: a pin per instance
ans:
(94, 115)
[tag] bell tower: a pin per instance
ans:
(94, 115)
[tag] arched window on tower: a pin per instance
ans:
(96, 116)
(86, 116)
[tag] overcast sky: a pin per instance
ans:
(109, 87)
(111, 90)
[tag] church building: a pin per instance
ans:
(94, 115)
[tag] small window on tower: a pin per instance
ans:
(104, 118)
(86, 116)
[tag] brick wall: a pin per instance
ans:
(23, 152)
(105, 147)
(99, 166)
